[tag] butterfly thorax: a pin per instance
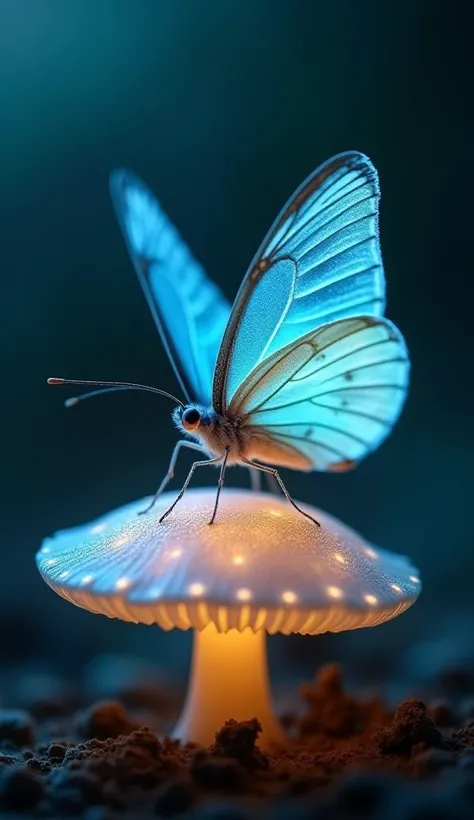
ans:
(214, 432)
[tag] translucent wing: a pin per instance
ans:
(189, 310)
(327, 400)
(320, 262)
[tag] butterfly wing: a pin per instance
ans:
(328, 399)
(320, 262)
(189, 310)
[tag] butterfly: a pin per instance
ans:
(303, 371)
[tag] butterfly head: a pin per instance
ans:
(196, 420)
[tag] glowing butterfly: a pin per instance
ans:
(303, 371)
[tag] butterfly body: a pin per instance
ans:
(303, 371)
(214, 433)
(217, 434)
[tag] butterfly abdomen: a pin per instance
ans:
(276, 453)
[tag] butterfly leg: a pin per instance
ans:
(272, 483)
(271, 471)
(170, 473)
(185, 486)
(220, 483)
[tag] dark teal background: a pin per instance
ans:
(223, 108)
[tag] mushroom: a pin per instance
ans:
(261, 568)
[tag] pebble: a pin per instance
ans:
(411, 725)
(238, 739)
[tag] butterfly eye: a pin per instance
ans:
(191, 419)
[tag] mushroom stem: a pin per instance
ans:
(229, 679)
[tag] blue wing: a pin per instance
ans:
(320, 262)
(189, 310)
(325, 401)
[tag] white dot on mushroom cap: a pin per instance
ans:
(289, 597)
(339, 558)
(97, 528)
(396, 588)
(176, 553)
(45, 550)
(64, 574)
(122, 583)
(243, 594)
(120, 541)
(276, 513)
(370, 599)
(87, 579)
(51, 561)
(334, 592)
(238, 560)
(414, 579)
(196, 589)
(370, 552)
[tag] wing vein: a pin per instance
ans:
(325, 446)
(315, 425)
(357, 244)
(336, 279)
(347, 409)
(328, 222)
(337, 311)
(320, 368)
(324, 208)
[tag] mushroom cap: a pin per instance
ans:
(261, 564)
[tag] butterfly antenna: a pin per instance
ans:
(109, 387)
(76, 399)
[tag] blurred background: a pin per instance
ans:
(224, 108)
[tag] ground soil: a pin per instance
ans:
(346, 757)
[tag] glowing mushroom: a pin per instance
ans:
(261, 568)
